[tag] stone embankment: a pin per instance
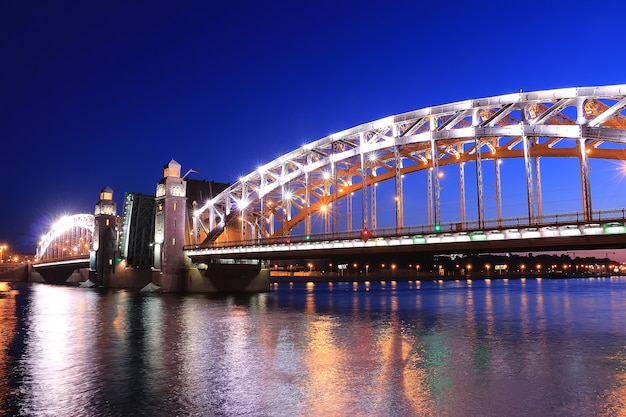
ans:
(13, 272)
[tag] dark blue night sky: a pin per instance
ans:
(96, 93)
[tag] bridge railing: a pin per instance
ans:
(599, 217)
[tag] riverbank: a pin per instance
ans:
(13, 272)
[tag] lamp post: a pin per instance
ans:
(2, 248)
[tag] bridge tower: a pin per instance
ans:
(169, 228)
(104, 240)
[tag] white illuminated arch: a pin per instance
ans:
(83, 221)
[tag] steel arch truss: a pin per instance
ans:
(270, 201)
(69, 236)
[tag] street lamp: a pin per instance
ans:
(393, 269)
(367, 269)
(2, 248)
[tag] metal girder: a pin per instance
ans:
(551, 111)
(617, 107)
(498, 115)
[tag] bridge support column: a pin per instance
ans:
(479, 183)
(496, 163)
(399, 197)
(584, 180)
(435, 188)
(529, 180)
(429, 195)
(538, 193)
(463, 213)
(364, 187)
(307, 205)
(374, 206)
(334, 213)
(349, 211)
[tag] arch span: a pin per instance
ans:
(304, 189)
(82, 221)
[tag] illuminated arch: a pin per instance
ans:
(270, 201)
(82, 221)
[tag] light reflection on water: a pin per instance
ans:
(482, 348)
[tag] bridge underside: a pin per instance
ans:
(57, 274)
(226, 278)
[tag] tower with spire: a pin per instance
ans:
(104, 240)
(169, 227)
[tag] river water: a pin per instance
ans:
(534, 347)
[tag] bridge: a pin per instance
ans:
(322, 198)
(464, 177)
(65, 248)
